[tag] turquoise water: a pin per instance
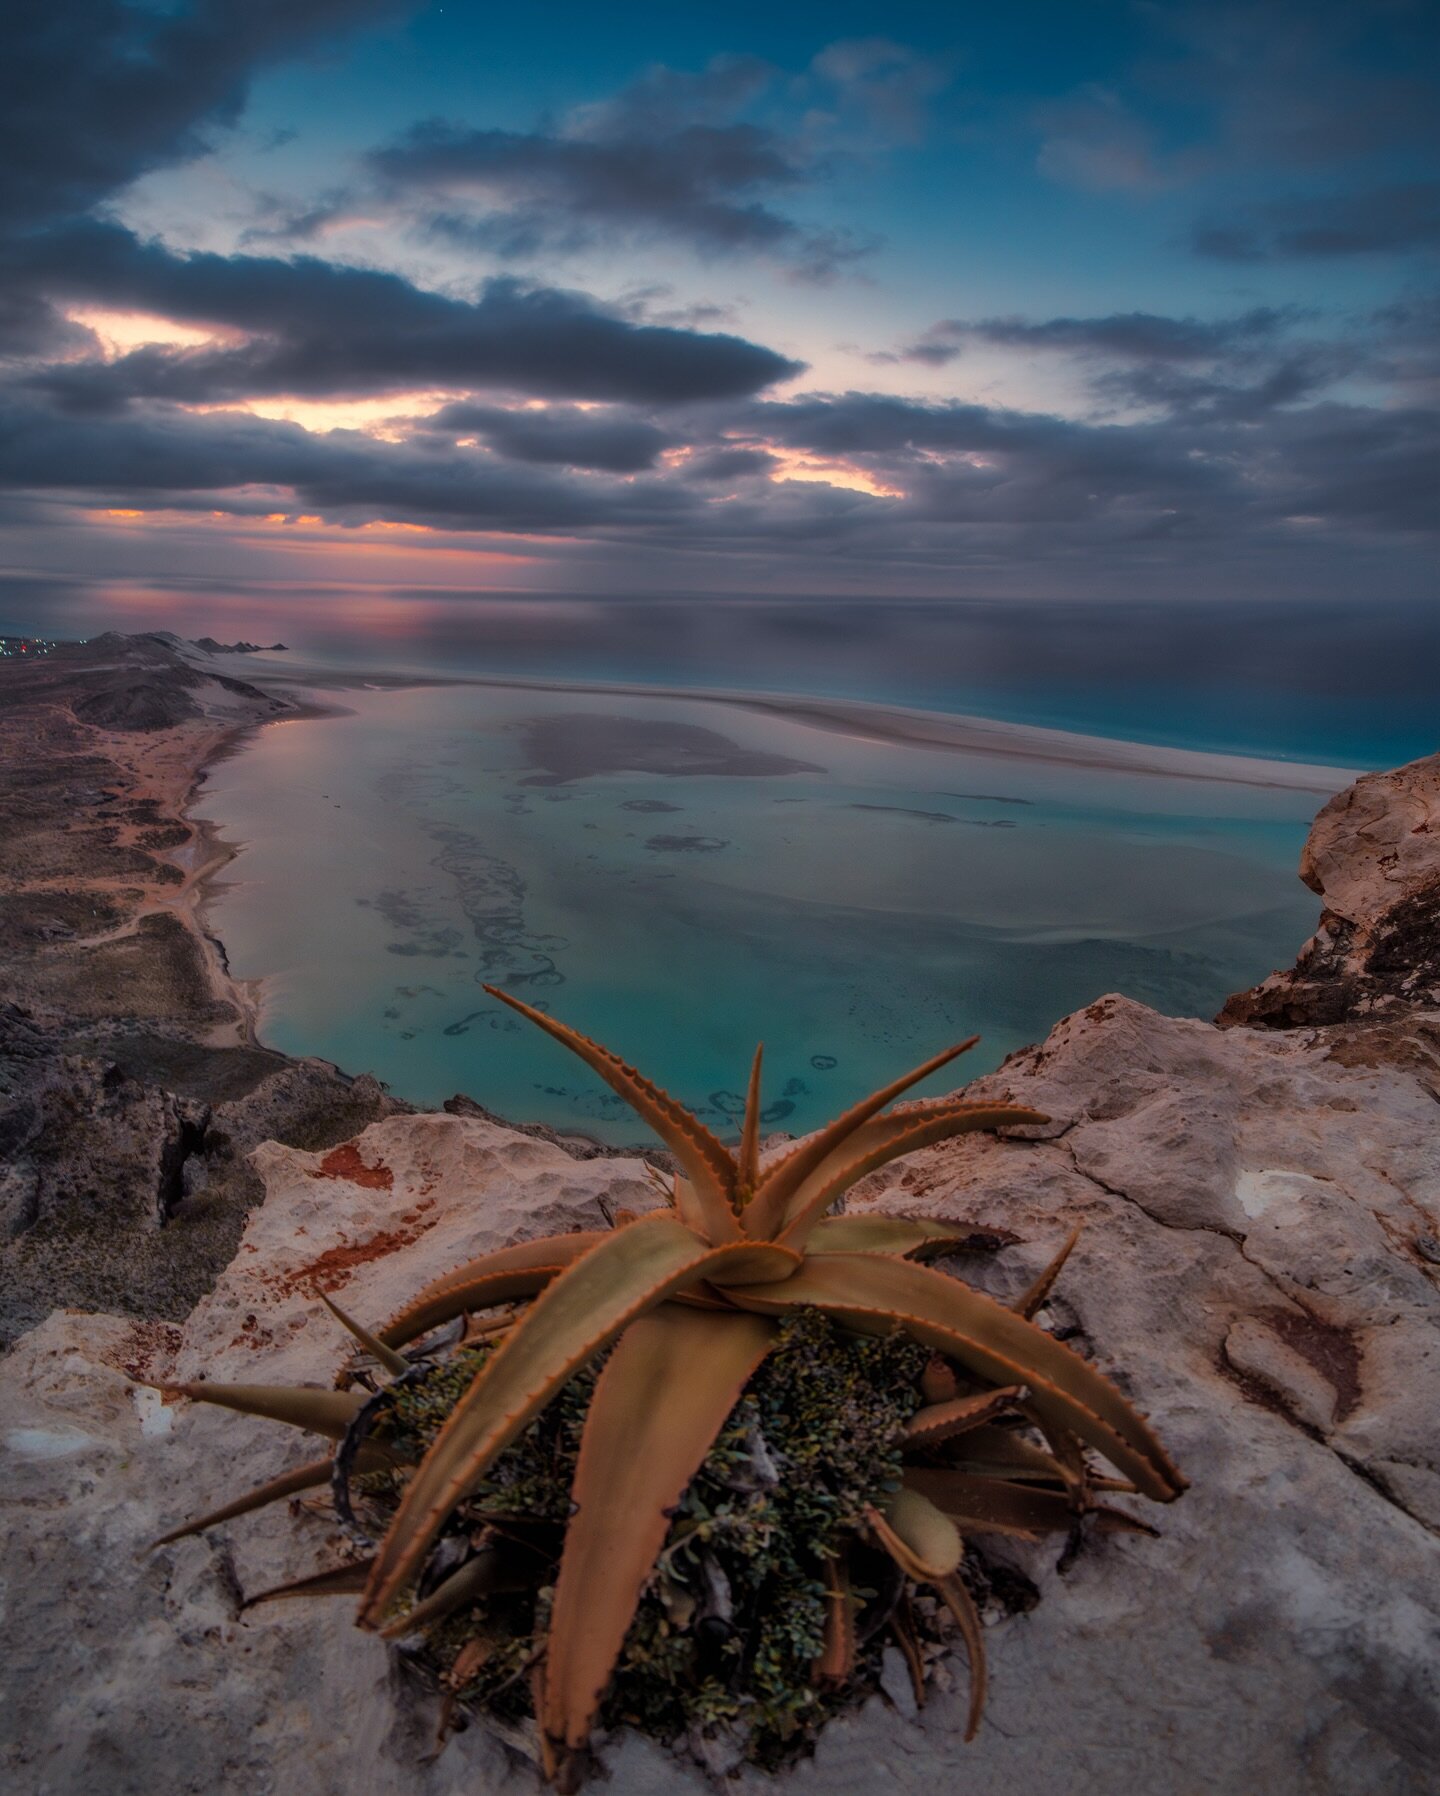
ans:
(681, 879)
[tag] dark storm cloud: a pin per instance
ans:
(323, 330)
(96, 92)
(1392, 220)
(560, 435)
(666, 157)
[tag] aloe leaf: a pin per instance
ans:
(902, 1236)
(1030, 1303)
(1001, 1452)
(545, 1251)
(705, 1160)
(942, 1421)
(591, 1302)
(783, 1178)
(868, 1290)
(289, 1484)
(748, 1162)
(886, 1139)
(926, 1543)
(489, 1571)
(752, 1263)
(394, 1363)
(322, 1412)
(982, 1505)
(339, 1580)
(837, 1658)
(903, 1628)
(958, 1601)
(498, 1277)
(664, 1395)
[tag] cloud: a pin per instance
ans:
(671, 156)
(562, 436)
(1127, 336)
(1092, 140)
(889, 85)
(1396, 219)
(1240, 365)
(714, 159)
(258, 466)
(319, 329)
(937, 488)
(703, 184)
(94, 93)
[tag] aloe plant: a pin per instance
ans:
(684, 1305)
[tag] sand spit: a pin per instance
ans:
(895, 724)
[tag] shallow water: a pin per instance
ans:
(680, 879)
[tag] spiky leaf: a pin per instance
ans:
(663, 1397)
(706, 1161)
(886, 1139)
(784, 1177)
(500, 1277)
(942, 1421)
(620, 1278)
(905, 1237)
(991, 1339)
(996, 1506)
(930, 1540)
(322, 1412)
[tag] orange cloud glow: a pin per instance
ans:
(120, 332)
(370, 415)
(830, 473)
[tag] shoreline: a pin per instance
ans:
(201, 884)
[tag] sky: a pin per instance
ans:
(318, 297)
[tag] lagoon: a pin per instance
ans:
(683, 874)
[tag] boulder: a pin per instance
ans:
(1373, 855)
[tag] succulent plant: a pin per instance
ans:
(679, 1309)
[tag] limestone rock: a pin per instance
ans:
(1373, 855)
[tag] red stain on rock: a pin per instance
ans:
(335, 1267)
(148, 1340)
(345, 1163)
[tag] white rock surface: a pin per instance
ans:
(1258, 1269)
(1376, 841)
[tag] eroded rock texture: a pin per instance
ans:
(130, 1087)
(1258, 1269)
